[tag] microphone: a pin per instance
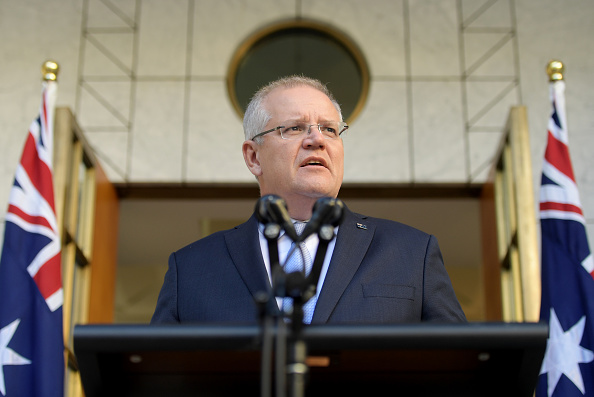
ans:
(273, 209)
(326, 211)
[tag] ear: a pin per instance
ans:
(250, 156)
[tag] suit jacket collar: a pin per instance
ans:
(243, 244)
(352, 242)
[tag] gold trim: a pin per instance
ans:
(341, 37)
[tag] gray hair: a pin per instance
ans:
(256, 116)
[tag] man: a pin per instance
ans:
(375, 271)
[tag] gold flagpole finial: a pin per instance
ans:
(50, 70)
(555, 70)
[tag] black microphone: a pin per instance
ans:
(326, 211)
(273, 209)
(261, 210)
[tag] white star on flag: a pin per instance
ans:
(7, 355)
(564, 353)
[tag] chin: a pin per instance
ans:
(320, 192)
(316, 188)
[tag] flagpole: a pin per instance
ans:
(49, 74)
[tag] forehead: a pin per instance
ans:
(302, 102)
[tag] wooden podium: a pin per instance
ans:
(475, 359)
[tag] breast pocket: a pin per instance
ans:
(389, 291)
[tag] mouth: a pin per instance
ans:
(314, 162)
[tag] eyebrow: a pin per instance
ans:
(306, 121)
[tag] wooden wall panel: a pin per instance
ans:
(491, 265)
(105, 248)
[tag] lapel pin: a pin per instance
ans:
(361, 226)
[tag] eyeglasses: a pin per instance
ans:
(300, 129)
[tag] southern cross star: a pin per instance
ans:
(7, 355)
(564, 354)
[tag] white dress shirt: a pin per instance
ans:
(284, 244)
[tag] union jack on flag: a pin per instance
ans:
(567, 269)
(31, 335)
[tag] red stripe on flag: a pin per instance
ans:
(35, 220)
(44, 109)
(48, 277)
(560, 207)
(38, 171)
(557, 154)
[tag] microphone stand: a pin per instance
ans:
(271, 210)
(268, 309)
(291, 348)
(297, 369)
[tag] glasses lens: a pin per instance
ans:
(330, 129)
(293, 129)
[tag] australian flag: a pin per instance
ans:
(567, 269)
(31, 297)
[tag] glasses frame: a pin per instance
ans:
(343, 125)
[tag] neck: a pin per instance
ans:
(300, 211)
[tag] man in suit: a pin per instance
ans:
(375, 271)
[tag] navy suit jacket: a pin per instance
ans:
(381, 272)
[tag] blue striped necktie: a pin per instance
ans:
(299, 260)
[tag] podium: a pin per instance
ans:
(475, 359)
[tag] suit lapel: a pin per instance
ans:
(352, 242)
(244, 248)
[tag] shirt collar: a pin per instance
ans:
(282, 232)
